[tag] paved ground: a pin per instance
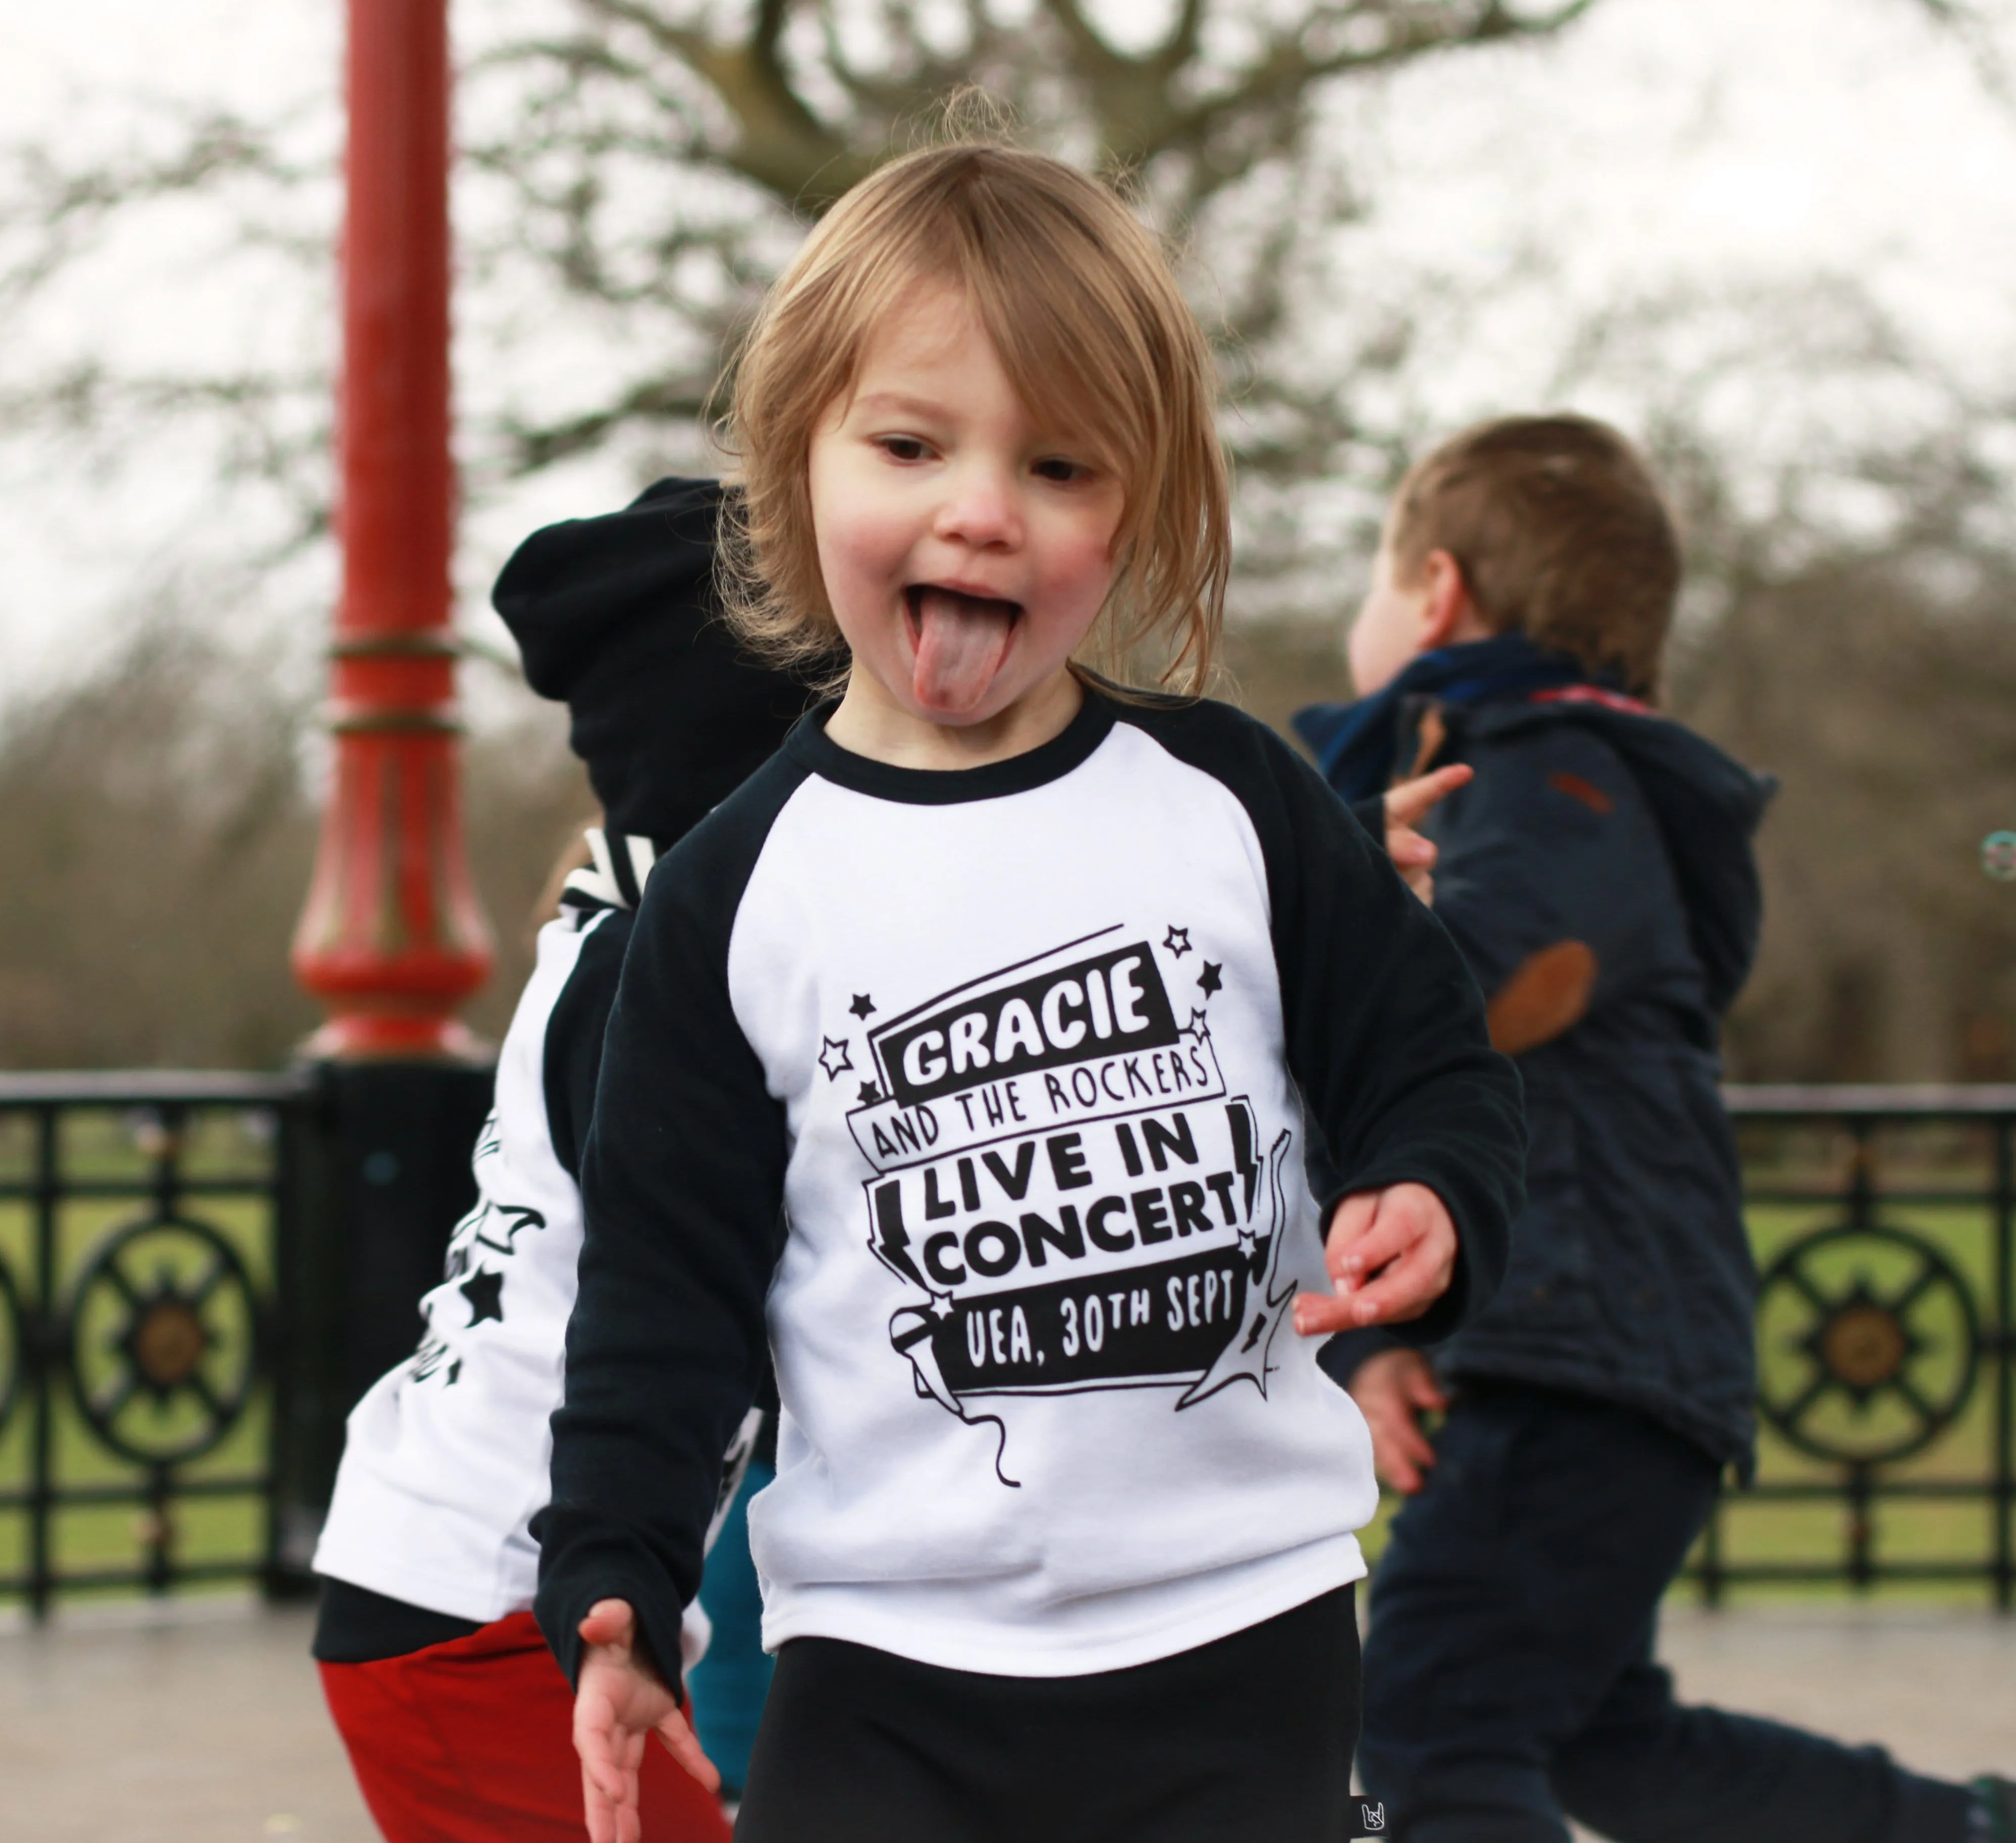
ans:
(209, 1728)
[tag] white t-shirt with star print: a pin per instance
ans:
(445, 1460)
(978, 1098)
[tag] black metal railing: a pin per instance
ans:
(1883, 1219)
(172, 1375)
(148, 1225)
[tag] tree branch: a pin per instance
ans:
(531, 446)
(779, 143)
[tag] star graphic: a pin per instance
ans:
(1208, 978)
(1199, 1026)
(485, 1295)
(870, 1094)
(1247, 1240)
(863, 1005)
(1177, 941)
(835, 1059)
(940, 1306)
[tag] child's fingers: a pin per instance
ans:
(1409, 851)
(680, 1741)
(596, 1809)
(1422, 1391)
(1401, 1457)
(1318, 1315)
(1348, 1223)
(1407, 802)
(609, 1622)
(1407, 1287)
(605, 1791)
(1400, 1450)
(1394, 1228)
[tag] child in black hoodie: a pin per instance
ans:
(1597, 873)
(458, 1722)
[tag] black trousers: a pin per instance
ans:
(1509, 1673)
(1246, 1740)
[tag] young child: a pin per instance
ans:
(457, 1721)
(961, 1059)
(1596, 874)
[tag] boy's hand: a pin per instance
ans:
(1393, 1389)
(617, 1706)
(1391, 1253)
(1414, 856)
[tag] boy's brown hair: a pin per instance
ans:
(1560, 533)
(1079, 299)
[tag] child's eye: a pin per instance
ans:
(1056, 467)
(903, 447)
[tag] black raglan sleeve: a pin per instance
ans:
(681, 1187)
(1384, 1026)
(575, 1031)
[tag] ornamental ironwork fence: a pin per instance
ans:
(1883, 1221)
(173, 1374)
(150, 1227)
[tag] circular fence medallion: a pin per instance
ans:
(1869, 1344)
(164, 1340)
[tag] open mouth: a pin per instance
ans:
(960, 641)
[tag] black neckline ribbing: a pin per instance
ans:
(951, 787)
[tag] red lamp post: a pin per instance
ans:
(393, 939)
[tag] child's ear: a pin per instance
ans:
(1447, 611)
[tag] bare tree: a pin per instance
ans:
(157, 827)
(635, 173)
(650, 163)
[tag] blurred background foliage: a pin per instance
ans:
(633, 172)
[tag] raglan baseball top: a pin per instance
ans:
(445, 1459)
(977, 1097)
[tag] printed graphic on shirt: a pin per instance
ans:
(479, 1253)
(1061, 1173)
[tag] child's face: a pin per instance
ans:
(966, 550)
(1393, 625)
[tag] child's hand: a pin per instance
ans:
(1393, 1389)
(617, 1707)
(1391, 1253)
(1414, 856)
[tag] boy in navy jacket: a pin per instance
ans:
(1596, 874)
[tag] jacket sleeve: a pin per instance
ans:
(1552, 842)
(681, 1187)
(1384, 1026)
(1386, 1039)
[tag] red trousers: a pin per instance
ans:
(473, 1742)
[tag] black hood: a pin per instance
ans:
(619, 617)
(1707, 806)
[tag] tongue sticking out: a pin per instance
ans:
(961, 641)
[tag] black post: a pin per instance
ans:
(303, 1334)
(2003, 1352)
(1712, 1581)
(376, 1173)
(44, 1365)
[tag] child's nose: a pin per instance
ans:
(982, 509)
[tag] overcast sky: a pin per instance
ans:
(1665, 141)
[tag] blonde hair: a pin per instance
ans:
(1078, 300)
